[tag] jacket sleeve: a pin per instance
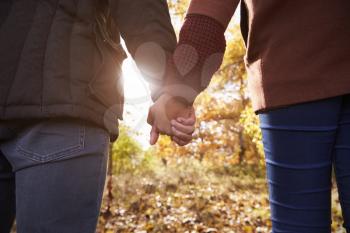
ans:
(220, 10)
(201, 47)
(146, 28)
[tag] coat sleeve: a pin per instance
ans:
(149, 36)
(201, 47)
(220, 10)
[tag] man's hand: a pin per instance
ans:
(166, 109)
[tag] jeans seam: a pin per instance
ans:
(55, 155)
(100, 183)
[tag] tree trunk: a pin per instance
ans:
(241, 147)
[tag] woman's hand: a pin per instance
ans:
(183, 128)
(168, 109)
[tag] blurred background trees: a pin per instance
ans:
(167, 188)
(216, 183)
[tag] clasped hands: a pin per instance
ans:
(173, 117)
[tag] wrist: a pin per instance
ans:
(179, 99)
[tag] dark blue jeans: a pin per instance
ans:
(301, 144)
(52, 175)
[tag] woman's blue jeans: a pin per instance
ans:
(52, 175)
(302, 144)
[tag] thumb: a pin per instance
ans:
(154, 135)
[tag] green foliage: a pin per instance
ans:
(124, 152)
(178, 8)
(250, 124)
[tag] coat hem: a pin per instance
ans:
(33, 112)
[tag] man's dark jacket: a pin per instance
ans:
(53, 62)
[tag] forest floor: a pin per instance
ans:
(190, 201)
